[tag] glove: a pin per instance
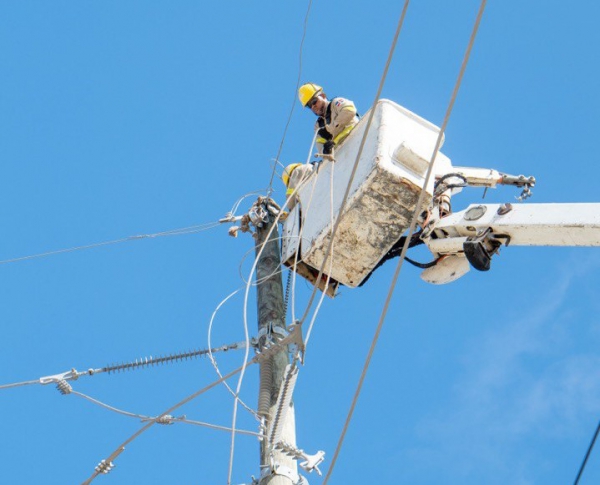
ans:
(323, 133)
(328, 148)
(321, 122)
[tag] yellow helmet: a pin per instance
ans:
(287, 172)
(307, 92)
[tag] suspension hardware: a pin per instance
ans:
(104, 467)
(310, 463)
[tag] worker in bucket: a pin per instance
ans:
(336, 117)
(293, 176)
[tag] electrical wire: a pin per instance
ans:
(174, 232)
(587, 455)
(242, 373)
(110, 408)
(324, 292)
(213, 360)
(358, 155)
(181, 419)
(301, 231)
(134, 436)
(245, 322)
(270, 191)
(19, 384)
(217, 427)
(279, 270)
(184, 401)
(241, 199)
(267, 239)
(144, 362)
(407, 241)
(246, 333)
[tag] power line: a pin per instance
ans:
(163, 419)
(107, 463)
(270, 191)
(358, 155)
(174, 232)
(213, 360)
(587, 455)
(407, 241)
(316, 312)
(141, 363)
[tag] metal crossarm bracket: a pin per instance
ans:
(294, 336)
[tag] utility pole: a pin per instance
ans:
(276, 467)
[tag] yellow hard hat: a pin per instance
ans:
(307, 92)
(287, 172)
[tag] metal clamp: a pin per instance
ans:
(258, 215)
(519, 181)
(310, 463)
(71, 375)
(271, 334)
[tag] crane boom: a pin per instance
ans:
(520, 225)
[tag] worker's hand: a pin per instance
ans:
(328, 148)
(284, 215)
(323, 133)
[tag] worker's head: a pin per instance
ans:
(287, 172)
(312, 96)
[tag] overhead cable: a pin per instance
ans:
(295, 98)
(358, 155)
(174, 232)
(325, 287)
(144, 362)
(407, 241)
(213, 360)
(163, 419)
(109, 461)
(587, 455)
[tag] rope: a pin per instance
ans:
(174, 232)
(407, 241)
(358, 155)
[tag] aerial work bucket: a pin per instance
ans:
(389, 177)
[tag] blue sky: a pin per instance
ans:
(128, 118)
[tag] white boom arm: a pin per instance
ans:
(476, 233)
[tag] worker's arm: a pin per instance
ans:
(323, 136)
(343, 118)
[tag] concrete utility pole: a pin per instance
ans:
(276, 467)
